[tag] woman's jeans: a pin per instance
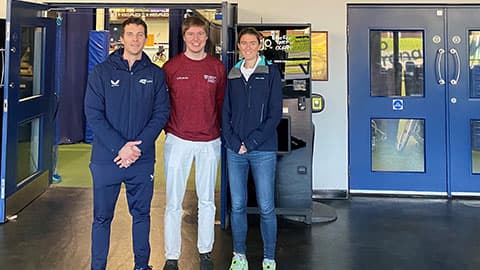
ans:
(262, 164)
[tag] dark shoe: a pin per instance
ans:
(206, 261)
(171, 265)
(143, 268)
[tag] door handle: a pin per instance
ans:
(438, 63)
(457, 66)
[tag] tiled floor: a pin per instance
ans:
(370, 233)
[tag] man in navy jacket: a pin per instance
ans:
(127, 106)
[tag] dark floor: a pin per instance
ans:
(370, 233)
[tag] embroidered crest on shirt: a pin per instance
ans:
(115, 83)
(210, 79)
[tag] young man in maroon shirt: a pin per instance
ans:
(196, 83)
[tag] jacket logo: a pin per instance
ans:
(210, 79)
(259, 78)
(115, 83)
(145, 81)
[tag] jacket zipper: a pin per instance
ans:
(261, 113)
(247, 90)
(130, 121)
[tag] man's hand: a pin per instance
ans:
(128, 154)
(243, 149)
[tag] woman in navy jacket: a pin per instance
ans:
(251, 112)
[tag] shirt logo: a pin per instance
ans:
(182, 78)
(145, 81)
(115, 83)
(210, 79)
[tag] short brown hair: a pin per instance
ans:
(194, 21)
(134, 20)
(250, 31)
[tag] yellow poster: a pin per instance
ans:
(320, 56)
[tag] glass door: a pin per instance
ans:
(414, 112)
(463, 80)
(397, 126)
(27, 137)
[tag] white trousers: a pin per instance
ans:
(179, 155)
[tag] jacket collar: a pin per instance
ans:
(261, 68)
(116, 58)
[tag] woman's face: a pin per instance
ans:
(249, 46)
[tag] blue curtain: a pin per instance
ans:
(75, 62)
(175, 43)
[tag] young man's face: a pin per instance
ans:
(195, 39)
(133, 39)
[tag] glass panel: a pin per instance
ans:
(31, 62)
(398, 145)
(474, 50)
(28, 149)
(289, 48)
(475, 138)
(396, 63)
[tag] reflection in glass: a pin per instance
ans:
(474, 63)
(397, 145)
(292, 45)
(30, 62)
(289, 47)
(475, 139)
(396, 63)
(28, 149)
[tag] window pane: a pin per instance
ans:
(28, 149)
(397, 145)
(475, 138)
(396, 63)
(31, 62)
(474, 50)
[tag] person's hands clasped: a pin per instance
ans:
(243, 149)
(128, 154)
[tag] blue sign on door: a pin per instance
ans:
(397, 104)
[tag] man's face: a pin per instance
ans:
(133, 39)
(195, 39)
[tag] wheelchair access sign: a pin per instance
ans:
(397, 104)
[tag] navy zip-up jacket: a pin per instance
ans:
(123, 104)
(252, 109)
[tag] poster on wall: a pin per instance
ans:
(320, 55)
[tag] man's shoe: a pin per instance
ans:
(143, 268)
(206, 262)
(239, 262)
(171, 265)
(269, 264)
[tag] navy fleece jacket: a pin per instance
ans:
(123, 104)
(252, 109)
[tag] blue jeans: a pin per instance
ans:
(263, 166)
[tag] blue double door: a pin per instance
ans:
(414, 93)
(28, 106)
